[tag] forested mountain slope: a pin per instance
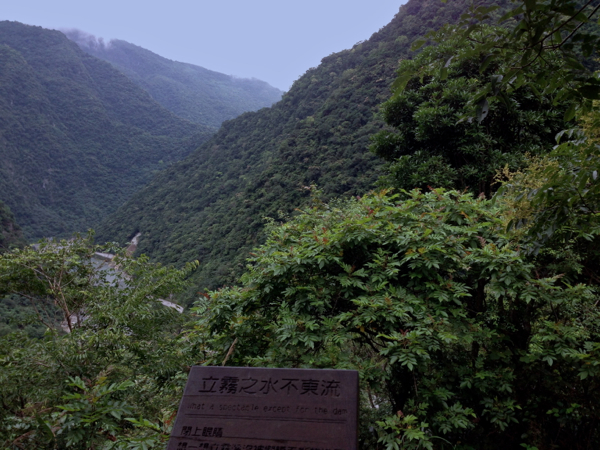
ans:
(192, 92)
(11, 234)
(77, 137)
(212, 205)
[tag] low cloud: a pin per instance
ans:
(84, 39)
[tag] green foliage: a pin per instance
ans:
(553, 207)
(17, 313)
(568, 198)
(467, 333)
(10, 232)
(90, 414)
(459, 342)
(119, 367)
(193, 93)
(53, 275)
(533, 30)
(78, 137)
(432, 141)
(211, 206)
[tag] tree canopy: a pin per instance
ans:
(111, 356)
(211, 206)
(459, 341)
(78, 137)
(531, 32)
(432, 140)
(473, 321)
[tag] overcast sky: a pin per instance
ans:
(272, 40)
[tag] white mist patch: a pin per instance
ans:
(87, 40)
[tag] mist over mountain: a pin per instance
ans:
(197, 94)
(77, 137)
(211, 206)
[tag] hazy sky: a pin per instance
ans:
(272, 40)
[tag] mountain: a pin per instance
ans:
(77, 137)
(211, 206)
(192, 92)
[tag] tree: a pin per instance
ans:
(432, 138)
(10, 232)
(541, 44)
(459, 343)
(464, 336)
(553, 206)
(120, 363)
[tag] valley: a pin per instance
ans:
(78, 137)
(212, 206)
(422, 208)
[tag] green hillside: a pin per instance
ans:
(463, 291)
(15, 312)
(192, 92)
(11, 234)
(77, 137)
(211, 207)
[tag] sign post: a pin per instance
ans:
(243, 408)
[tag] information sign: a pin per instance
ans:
(243, 408)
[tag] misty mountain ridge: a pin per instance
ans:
(192, 92)
(77, 137)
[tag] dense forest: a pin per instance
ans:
(11, 234)
(434, 208)
(212, 205)
(194, 93)
(77, 137)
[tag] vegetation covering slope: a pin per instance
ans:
(77, 137)
(212, 206)
(192, 92)
(11, 234)
(429, 140)
(15, 312)
(473, 322)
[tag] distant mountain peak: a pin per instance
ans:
(192, 92)
(77, 137)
